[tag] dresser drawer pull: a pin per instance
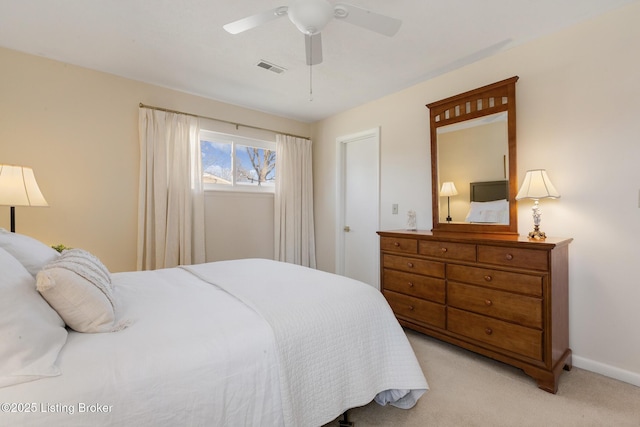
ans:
(396, 244)
(509, 257)
(488, 302)
(488, 331)
(410, 264)
(410, 284)
(410, 308)
(443, 250)
(488, 278)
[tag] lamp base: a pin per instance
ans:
(536, 234)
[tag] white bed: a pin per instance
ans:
(243, 343)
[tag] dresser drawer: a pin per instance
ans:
(415, 285)
(399, 244)
(529, 284)
(514, 257)
(507, 336)
(416, 310)
(505, 297)
(513, 308)
(413, 265)
(448, 250)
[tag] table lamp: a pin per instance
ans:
(537, 186)
(448, 189)
(18, 187)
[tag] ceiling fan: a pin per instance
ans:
(311, 16)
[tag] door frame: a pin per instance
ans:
(341, 142)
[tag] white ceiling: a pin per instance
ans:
(180, 44)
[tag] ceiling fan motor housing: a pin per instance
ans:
(310, 16)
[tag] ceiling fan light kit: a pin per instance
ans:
(310, 16)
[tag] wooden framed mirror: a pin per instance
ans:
(473, 146)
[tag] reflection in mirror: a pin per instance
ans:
(473, 146)
(472, 152)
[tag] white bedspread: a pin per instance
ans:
(334, 353)
(192, 356)
(282, 351)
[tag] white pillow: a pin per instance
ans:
(496, 211)
(31, 332)
(78, 286)
(32, 253)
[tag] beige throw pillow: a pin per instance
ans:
(78, 286)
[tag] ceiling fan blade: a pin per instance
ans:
(366, 19)
(256, 20)
(313, 48)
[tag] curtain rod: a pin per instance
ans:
(237, 125)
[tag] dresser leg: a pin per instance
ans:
(548, 380)
(568, 364)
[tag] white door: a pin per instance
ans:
(358, 206)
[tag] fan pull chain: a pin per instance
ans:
(310, 70)
(310, 82)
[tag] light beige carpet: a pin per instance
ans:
(467, 389)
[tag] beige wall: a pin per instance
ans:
(239, 225)
(578, 102)
(78, 130)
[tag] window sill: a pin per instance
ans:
(214, 192)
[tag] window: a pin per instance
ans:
(237, 163)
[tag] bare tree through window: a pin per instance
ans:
(263, 163)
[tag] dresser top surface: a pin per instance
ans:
(477, 238)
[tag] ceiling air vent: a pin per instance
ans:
(271, 67)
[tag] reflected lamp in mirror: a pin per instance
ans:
(18, 187)
(448, 189)
(536, 186)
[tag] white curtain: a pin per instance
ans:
(171, 195)
(294, 228)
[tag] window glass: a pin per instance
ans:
(216, 162)
(254, 165)
(236, 163)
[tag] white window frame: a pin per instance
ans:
(238, 140)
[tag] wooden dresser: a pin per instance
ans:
(502, 296)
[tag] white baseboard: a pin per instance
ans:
(606, 370)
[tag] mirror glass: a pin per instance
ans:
(473, 149)
(471, 154)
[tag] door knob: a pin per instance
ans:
(347, 228)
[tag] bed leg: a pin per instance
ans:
(344, 422)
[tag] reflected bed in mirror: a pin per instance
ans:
(473, 145)
(489, 203)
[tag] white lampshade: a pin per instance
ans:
(18, 187)
(448, 189)
(536, 185)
